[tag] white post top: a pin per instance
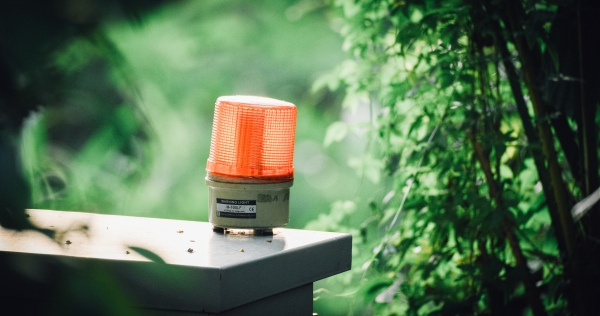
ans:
(213, 271)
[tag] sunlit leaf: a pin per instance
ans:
(335, 133)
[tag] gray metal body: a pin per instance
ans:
(203, 273)
(271, 204)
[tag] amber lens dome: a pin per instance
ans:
(253, 138)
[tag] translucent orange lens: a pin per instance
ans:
(253, 137)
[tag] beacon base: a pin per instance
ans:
(255, 232)
(256, 206)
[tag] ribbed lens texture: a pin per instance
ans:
(253, 137)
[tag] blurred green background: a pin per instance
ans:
(130, 134)
(171, 69)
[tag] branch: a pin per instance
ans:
(531, 291)
(547, 139)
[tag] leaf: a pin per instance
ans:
(583, 206)
(416, 124)
(445, 80)
(408, 35)
(368, 166)
(147, 254)
(556, 287)
(335, 133)
(416, 16)
(506, 172)
(329, 80)
(373, 286)
(387, 296)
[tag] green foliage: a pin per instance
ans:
(466, 228)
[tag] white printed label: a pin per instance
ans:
(236, 208)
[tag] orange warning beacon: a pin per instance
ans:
(250, 167)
